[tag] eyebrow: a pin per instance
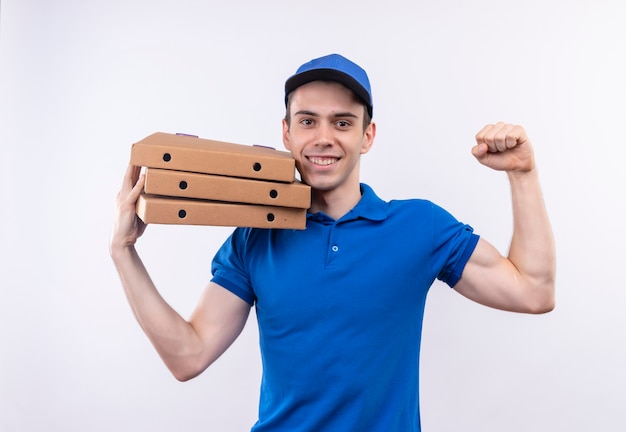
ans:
(339, 114)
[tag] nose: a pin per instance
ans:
(324, 136)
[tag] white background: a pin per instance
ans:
(80, 81)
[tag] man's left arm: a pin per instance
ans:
(524, 281)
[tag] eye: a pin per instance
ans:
(342, 124)
(306, 122)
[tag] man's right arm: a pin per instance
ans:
(186, 347)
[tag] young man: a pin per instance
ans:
(340, 304)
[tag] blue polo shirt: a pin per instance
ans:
(339, 308)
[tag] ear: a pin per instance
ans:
(286, 137)
(368, 137)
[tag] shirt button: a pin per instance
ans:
(335, 248)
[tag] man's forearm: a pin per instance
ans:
(532, 248)
(171, 335)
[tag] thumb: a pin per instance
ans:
(138, 188)
(480, 150)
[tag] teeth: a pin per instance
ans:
(322, 161)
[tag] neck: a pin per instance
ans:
(335, 203)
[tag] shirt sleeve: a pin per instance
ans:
(454, 243)
(229, 267)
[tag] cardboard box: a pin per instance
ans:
(222, 188)
(186, 211)
(188, 153)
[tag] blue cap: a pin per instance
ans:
(335, 68)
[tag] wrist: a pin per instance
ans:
(120, 249)
(523, 176)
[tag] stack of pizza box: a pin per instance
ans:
(196, 181)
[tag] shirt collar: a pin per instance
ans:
(370, 206)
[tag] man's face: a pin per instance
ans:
(325, 135)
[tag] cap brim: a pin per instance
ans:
(329, 75)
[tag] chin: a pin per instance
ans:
(319, 185)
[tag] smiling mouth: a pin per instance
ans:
(322, 161)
